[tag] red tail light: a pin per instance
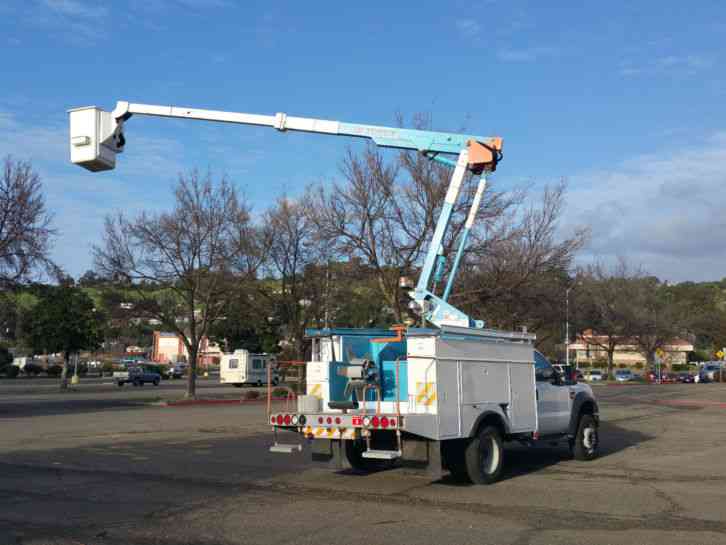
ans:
(272, 420)
(384, 422)
(320, 419)
(279, 420)
(375, 421)
(288, 419)
(337, 420)
(393, 422)
(329, 420)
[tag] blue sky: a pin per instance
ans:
(625, 100)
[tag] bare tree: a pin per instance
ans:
(25, 224)
(181, 264)
(289, 233)
(518, 274)
(605, 306)
(655, 319)
(385, 212)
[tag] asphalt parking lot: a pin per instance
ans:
(115, 467)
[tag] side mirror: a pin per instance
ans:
(546, 374)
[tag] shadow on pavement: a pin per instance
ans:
(520, 460)
(66, 406)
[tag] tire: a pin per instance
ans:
(120, 384)
(354, 455)
(484, 456)
(237, 385)
(156, 382)
(587, 441)
(454, 459)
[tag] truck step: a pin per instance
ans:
(382, 454)
(285, 449)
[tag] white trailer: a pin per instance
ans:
(240, 367)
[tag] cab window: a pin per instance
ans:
(541, 366)
(256, 364)
(233, 364)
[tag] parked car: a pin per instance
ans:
(709, 372)
(685, 378)
(623, 375)
(594, 375)
(178, 370)
(138, 375)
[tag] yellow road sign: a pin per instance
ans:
(719, 354)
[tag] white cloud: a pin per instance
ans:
(76, 8)
(468, 28)
(528, 54)
(664, 211)
(667, 64)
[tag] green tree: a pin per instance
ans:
(64, 320)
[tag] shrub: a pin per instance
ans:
(107, 368)
(280, 392)
(638, 365)
(252, 394)
(12, 371)
(622, 366)
(32, 369)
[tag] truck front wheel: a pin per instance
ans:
(484, 456)
(585, 444)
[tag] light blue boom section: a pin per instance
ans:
(436, 142)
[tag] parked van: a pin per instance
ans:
(240, 368)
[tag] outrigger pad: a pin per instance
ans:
(343, 405)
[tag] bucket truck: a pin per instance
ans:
(447, 394)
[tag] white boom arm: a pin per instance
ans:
(97, 136)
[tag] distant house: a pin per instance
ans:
(587, 349)
(170, 348)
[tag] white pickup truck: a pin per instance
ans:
(447, 398)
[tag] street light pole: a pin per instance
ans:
(567, 325)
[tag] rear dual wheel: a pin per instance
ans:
(484, 457)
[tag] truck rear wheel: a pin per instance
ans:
(484, 456)
(354, 454)
(586, 442)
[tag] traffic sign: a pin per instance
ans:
(720, 354)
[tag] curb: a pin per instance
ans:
(191, 402)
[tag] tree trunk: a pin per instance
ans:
(64, 372)
(611, 357)
(192, 378)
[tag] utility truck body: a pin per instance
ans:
(435, 392)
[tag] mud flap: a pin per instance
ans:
(330, 451)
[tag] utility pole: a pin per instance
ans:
(567, 325)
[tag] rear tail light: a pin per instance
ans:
(329, 420)
(337, 420)
(384, 422)
(279, 420)
(375, 421)
(288, 419)
(393, 422)
(320, 419)
(272, 420)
